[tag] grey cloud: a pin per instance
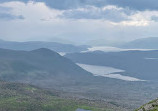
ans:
(14, 0)
(135, 4)
(154, 18)
(115, 15)
(6, 15)
(70, 4)
(57, 4)
(4, 9)
(132, 4)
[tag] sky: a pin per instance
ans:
(78, 21)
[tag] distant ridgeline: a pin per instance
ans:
(139, 64)
(144, 43)
(32, 45)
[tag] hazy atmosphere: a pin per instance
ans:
(78, 21)
(78, 55)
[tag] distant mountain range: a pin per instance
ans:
(31, 45)
(47, 69)
(144, 43)
(139, 64)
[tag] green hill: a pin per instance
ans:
(151, 106)
(42, 67)
(23, 97)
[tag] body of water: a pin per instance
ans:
(111, 49)
(107, 72)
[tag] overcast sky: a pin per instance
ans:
(78, 21)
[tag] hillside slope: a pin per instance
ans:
(24, 97)
(151, 106)
(43, 67)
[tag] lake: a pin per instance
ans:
(109, 72)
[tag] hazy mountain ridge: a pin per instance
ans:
(47, 69)
(40, 64)
(139, 64)
(144, 43)
(32, 45)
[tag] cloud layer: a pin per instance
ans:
(110, 13)
(70, 4)
(77, 20)
(5, 14)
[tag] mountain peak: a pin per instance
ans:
(45, 51)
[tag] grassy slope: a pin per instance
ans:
(22, 97)
(151, 106)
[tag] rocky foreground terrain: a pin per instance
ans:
(151, 106)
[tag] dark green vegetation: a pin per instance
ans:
(58, 47)
(23, 97)
(151, 106)
(139, 64)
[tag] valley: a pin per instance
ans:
(46, 69)
(78, 55)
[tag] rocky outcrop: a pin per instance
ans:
(151, 106)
